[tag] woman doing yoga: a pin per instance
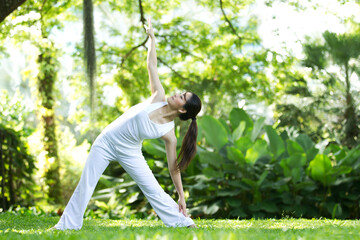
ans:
(121, 141)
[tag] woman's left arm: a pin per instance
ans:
(170, 145)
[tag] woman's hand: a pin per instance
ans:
(182, 206)
(149, 29)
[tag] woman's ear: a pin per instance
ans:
(182, 110)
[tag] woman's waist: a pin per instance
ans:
(122, 145)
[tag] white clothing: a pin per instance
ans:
(121, 141)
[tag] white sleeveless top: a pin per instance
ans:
(129, 130)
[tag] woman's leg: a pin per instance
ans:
(96, 163)
(165, 207)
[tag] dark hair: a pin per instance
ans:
(188, 147)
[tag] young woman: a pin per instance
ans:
(121, 141)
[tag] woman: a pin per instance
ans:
(121, 141)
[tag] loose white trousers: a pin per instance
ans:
(101, 153)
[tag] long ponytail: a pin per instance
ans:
(188, 147)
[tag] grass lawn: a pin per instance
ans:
(17, 226)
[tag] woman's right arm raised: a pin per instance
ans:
(155, 84)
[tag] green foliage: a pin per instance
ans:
(343, 51)
(214, 132)
(14, 114)
(267, 179)
(270, 175)
(17, 165)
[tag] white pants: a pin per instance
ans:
(101, 153)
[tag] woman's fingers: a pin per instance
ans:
(182, 209)
(184, 212)
(149, 22)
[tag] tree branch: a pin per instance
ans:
(8, 6)
(133, 49)
(142, 18)
(181, 49)
(231, 26)
(173, 70)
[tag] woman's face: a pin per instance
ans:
(177, 101)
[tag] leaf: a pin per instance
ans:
(211, 173)
(238, 184)
(320, 169)
(340, 170)
(307, 186)
(237, 115)
(225, 125)
(258, 150)
(269, 206)
(249, 182)
(214, 131)
(233, 202)
(297, 160)
(212, 158)
(276, 144)
(293, 147)
(305, 142)
(238, 132)
(293, 166)
(337, 211)
(351, 157)
(153, 147)
(310, 154)
(227, 193)
(262, 178)
(212, 209)
(243, 143)
(235, 155)
(101, 205)
(257, 128)
(238, 212)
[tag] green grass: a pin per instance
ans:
(17, 226)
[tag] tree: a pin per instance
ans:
(343, 51)
(46, 20)
(216, 61)
(16, 164)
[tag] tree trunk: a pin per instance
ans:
(89, 49)
(2, 172)
(351, 123)
(46, 81)
(8, 6)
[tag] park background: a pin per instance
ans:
(279, 81)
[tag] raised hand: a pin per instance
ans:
(149, 29)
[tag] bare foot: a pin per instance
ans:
(192, 226)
